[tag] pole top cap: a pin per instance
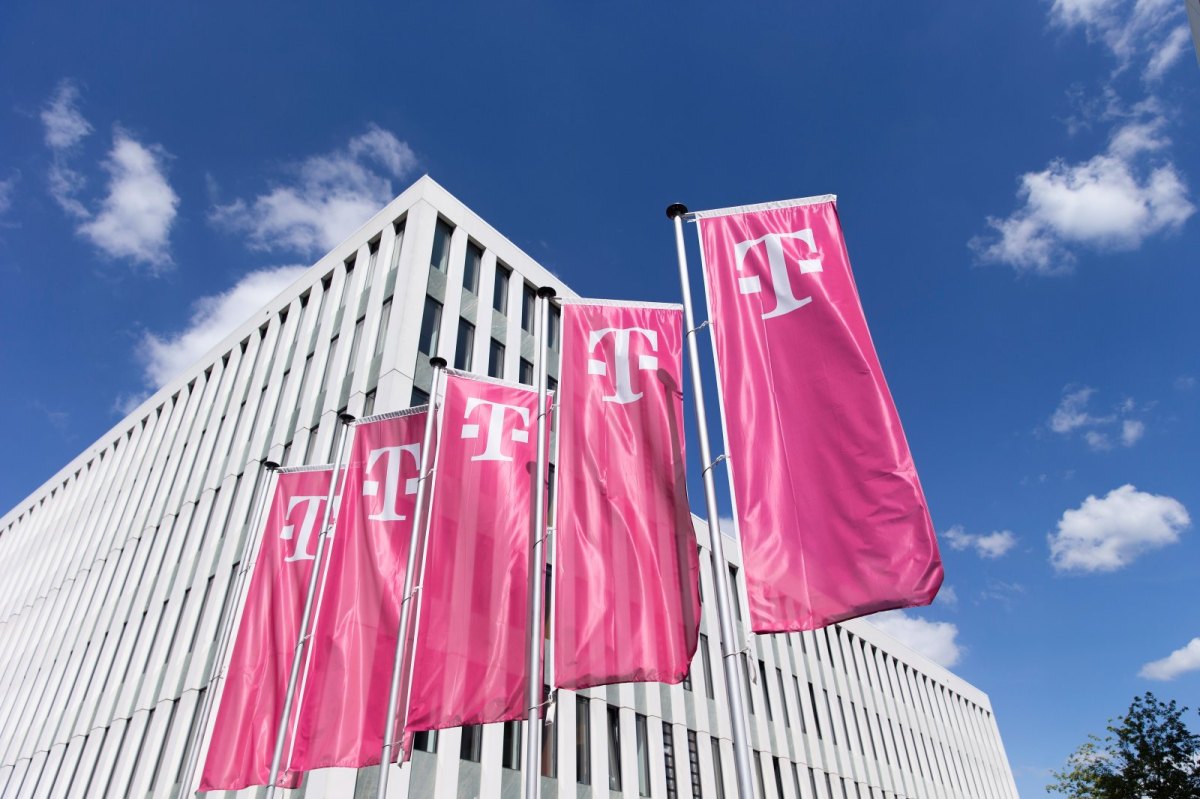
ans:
(270, 466)
(438, 362)
(676, 209)
(346, 418)
(547, 292)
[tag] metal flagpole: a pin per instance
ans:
(225, 631)
(304, 632)
(537, 568)
(415, 545)
(730, 650)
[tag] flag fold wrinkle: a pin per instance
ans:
(831, 516)
(626, 565)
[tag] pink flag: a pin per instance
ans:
(346, 681)
(626, 588)
(832, 519)
(469, 663)
(243, 738)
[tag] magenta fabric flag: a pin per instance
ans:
(831, 515)
(243, 737)
(340, 711)
(626, 569)
(469, 662)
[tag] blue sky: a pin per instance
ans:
(1017, 181)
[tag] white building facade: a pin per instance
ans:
(119, 573)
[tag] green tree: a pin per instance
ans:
(1149, 753)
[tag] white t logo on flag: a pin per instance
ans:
(495, 428)
(785, 300)
(312, 506)
(624, 384)
(391, 480)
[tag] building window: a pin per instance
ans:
(472, 743)
(643, 754)
(583, 740)
(669, 761)
(425, 741)
(496, 359)
(745, 661)
(369, 403)
(787, 717)
(812, 698)
(554, 333)
(431, 325)
(510, 756)
(718, 769)
(733, 590)
(614, 749)
(465, 345)
(549, 740)
(778, 777)
(440, 260)
(687, 680)
(500, 289)
(526, 373)
(419, 397)
(471, 267)
(766, 691)
(528, 307)
(706, 664)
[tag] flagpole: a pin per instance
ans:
(415, 545)
(730, 651)
(304, 633)
(537, 568)
(225, 630)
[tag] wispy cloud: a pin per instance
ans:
(936, 640)
(326, 198)
(1074, 415)
(64, 127)
(1131, 190)
(134, 220)
(163, 356)
(1109, 533)
(1182, 660)
(993, 545)
(7, 187)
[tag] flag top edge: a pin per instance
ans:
(499, 381)
(746, 209)
(381, 417)
(666, 306)
(316, 467)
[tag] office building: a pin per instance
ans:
(116, 575)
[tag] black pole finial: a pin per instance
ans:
(438, 362)
(676, 209)
(547, 292)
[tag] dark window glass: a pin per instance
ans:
(471, 267)
(526, 374)
(500, 289)
(733, 589)
(643, 754)
(496, 359)
(472, 743)
(425, 741)
(419, 397)
(706, 663)
(510, 756)
(614, 749)
(465, 345)
(555, 326)
(431, 325)
(766, 691)
(583, 740)
(442, 234)
(528, 307)
(669, 761)
(718, 769)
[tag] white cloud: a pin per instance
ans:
(64, 127)
(935, 640)
(1112, 201)
(1103, 535)
(7, 186)
(1180, 661)
(1132, 431)
(946, 597)
(992, 545)
(1145, 31)
(64, 124)
(135, 218)
(329, 197)
(1073, 414)
(214, 317)
(125, 404)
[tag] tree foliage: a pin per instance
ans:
(1149, 753)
